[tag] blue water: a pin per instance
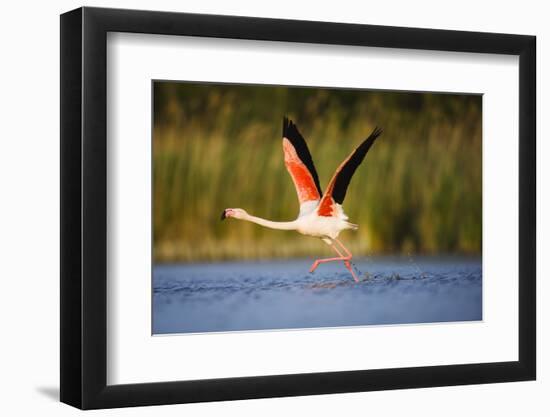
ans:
(231, 296)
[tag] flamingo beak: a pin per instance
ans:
(223, 216)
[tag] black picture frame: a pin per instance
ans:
(84, 207)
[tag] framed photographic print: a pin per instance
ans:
(258, 207)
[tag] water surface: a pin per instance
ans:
(231, 296)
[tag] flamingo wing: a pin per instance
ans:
(300, 166)
(338, 185)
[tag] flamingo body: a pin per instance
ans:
(324, 227)
(321, 214)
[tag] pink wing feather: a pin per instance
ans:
(299, 164)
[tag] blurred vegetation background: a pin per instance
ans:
(215, 146)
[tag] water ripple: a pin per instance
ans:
(278, 295)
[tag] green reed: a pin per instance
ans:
(418, 191)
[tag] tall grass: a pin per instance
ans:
(217, 146)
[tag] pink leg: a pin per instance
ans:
(322, 261)
(346, 258)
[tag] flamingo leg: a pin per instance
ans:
(341, 257)
(324, 260)
(348, 259)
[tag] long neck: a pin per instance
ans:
(272, 225)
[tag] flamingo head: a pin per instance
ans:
(236, 213)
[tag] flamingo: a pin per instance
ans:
(321, 215)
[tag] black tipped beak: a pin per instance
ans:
(223, 216)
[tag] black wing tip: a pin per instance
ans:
(290, 131)
(344, 178)
(286, 122)
(376, 132)
(367, 143)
